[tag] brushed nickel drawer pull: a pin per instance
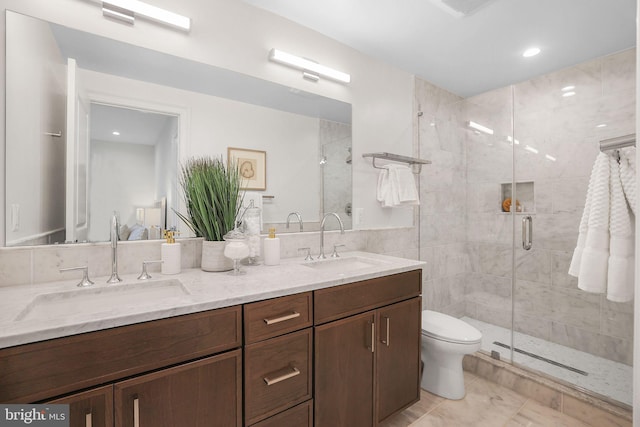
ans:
(88, 420)
(136, 412)
(386, 341)
(291, 372)
(272, 320)
(373, 337)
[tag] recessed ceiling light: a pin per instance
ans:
(116, 133)
(549, 157)
(531, 149)
(532, 51)
(568, 94)
(601, 125)
(568, 88)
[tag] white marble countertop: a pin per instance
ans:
(30, 313)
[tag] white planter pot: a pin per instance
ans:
(213, 258)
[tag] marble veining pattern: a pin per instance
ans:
(203, 291)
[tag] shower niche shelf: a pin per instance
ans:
(525, 196)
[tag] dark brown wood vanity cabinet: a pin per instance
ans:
(367, 350)
(181, 371)
(278, 375)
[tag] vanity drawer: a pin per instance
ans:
(346, 300)
(299, 416)
(278, 316)
(277, 375)
(42, 370)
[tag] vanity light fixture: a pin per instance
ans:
(479, 127)
(311, 70)
(126, 10)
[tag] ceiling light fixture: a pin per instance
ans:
(116, 133)
(510, 139)
(568, 88)
(532, 51)
(311, 70)
(126, 10)
(477, 126)
(549, 157)
(568, 94)
(601, 125)
(531, 149)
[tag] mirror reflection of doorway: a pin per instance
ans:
(133, 170)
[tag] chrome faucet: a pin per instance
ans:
(299, 219)
(324, 218)
(115, 227)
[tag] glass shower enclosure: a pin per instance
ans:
(530, 149)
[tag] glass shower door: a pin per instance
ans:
(560, 330)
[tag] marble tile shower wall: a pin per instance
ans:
(335, 146)
(548, 303)
(442, 195)
(39, 264)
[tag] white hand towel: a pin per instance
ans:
(396, 187)
(384, 189)
(628, 175)
(621, 261)
(592, 276)
(404, 182)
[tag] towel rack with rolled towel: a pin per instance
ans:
(416, 164)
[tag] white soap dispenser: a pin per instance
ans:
(272, 248)
(170, 253)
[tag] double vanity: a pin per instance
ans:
(334, 342)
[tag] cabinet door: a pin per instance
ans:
(93, 408)
(207, 392)
(398, 357)
(344, 372)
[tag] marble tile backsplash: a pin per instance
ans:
(39, 264)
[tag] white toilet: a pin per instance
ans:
(445, 341)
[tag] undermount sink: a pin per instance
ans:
(99, 299)
(344, 265)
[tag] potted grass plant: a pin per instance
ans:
(211, 191)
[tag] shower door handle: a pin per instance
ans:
(527, 232)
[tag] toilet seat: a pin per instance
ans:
(447, 328)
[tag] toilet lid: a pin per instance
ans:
(447, 328)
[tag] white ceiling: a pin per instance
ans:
(134, 126)
(473, 53)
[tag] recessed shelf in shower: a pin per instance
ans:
(525, 196)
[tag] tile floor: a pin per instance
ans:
(605, 377)
(486, 404)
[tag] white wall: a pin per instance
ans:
(234, 35)
(636, 320)
(123, 177)
(36, 175)
(214, 124)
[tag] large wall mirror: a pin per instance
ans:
(94, 125)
